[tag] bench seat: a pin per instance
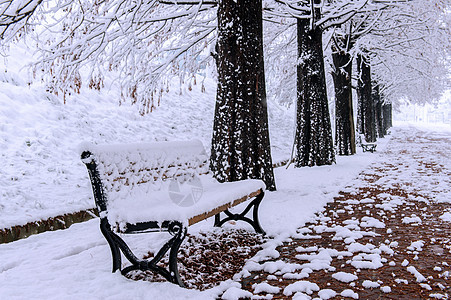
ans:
(158, 206)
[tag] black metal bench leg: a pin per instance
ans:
(173, 268)
(117, 245)
(115, 252)
(255, 222)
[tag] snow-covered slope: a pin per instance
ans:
(42, 175)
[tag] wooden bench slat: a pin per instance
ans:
(206, 215)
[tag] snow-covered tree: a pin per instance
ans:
(314, 144)
(385, 34)
(313, 139)
(366, 123)
(342, 74)
(240, 146)
(405, 48)
(14, 16)
(145, 43)
(409, 49)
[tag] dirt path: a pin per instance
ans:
(384, 238)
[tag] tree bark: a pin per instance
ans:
(387, 111)
(240, 144)
(314, 142)
(390, 114)
(344, 115)
(365, 108)
(378, 115)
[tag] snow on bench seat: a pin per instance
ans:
(158, 206)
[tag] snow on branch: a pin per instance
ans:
(14, 15)
(408, 51)
(143, 43)
(405, 40)
(333, 13)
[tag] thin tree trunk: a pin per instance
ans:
(384, 117)
(240, 144)
(314, 142)
(344, 116)
(365, 107)
(378, 111)
(390, 115)
(386, 108)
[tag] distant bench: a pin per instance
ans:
(371, 147)
(165, 186)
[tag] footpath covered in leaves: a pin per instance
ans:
(386, 237)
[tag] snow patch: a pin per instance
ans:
(327, 294)
(412, 220)
(234, 293)
(368, 284)
(418, 275)
(344, 277)
(301, 286)
(446, 217)
(349, 293)
(265, 287)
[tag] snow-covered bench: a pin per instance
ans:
(162, 186)
(371, 147)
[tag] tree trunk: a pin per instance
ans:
(390, 114)
(387, 111)
(378, 111)
(365, 107)
(344, 116)
(240, 144)
(314, 142)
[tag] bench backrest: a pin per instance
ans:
(118, 170)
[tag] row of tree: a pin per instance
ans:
(147, 42)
